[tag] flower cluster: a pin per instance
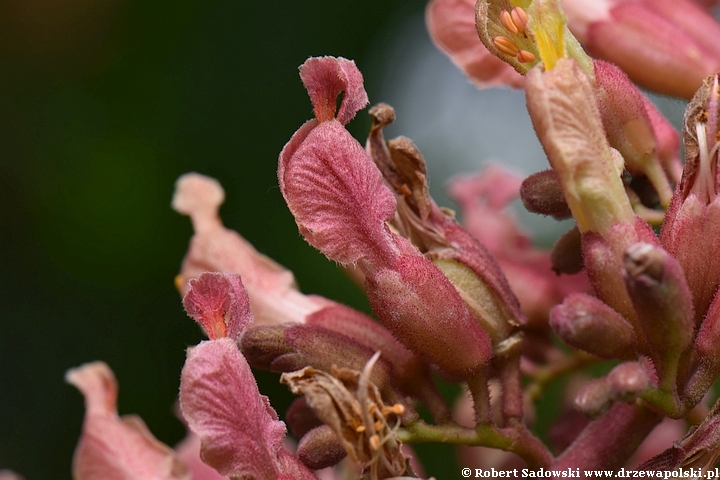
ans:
(634, 282)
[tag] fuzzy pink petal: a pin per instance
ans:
(451, 24)
(325, 78)
(273, 293)
(239, 431)
(219, 302)
(112, 448)
(189, 452)
(338, 197)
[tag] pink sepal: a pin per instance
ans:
(115, 448)
(219, 302)
(239, 431)
(325, 78)
(451, 24)
(418, 304)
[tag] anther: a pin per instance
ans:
(360, 428)
(507, 22)
(506, 45)
(524, 56)
(375, 442)
(519, 19)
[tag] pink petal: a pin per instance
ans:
(112, 448)
(337, 196)
(325, 78)
(273, 294)
(451, 24)
(239, 431)
(189, 452)
(219, 303)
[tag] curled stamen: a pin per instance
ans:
(524, 56)
(519, 19)
(507, 22)
(506, 45)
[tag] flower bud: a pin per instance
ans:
(320, 448)
(628, 380)
(594, 397)
(541, 193)
(662, 300)
(300, 418)
(586, 323)
(566, 255)
(262, 344)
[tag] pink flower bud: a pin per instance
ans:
(662, 301)
(320, 448)
(586, 323)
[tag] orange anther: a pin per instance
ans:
(519, 19)
(505, 45)
(524, 56)
(507, 22)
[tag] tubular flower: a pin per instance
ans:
(341, 206)
(239, 432)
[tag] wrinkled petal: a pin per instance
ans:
(114, 448)
(451, 24)
(239, 431)
(325, 78)
(219, 302)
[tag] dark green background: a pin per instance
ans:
(103, 104)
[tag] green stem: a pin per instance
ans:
(515, 438)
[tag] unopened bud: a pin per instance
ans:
(541, 193)
(566, 255)
(320, 448)
(628, 380)
(587, 323)
(300, 418)
(662, 300)
(262, 344)
(594, 397)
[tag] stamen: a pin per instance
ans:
(524, 56)
(505, 45)
(519, 19)
(506, 21)
(360, 428)
(704, 182)
(374, 442)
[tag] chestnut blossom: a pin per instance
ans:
(115, 448)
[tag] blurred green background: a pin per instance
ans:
(103, 104)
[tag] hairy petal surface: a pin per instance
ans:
(114, 448)
(219, 303)
(239, 431)
(337, 196)
(325, 78)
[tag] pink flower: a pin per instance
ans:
(341, 207)
(115, 448)
(239, 432)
